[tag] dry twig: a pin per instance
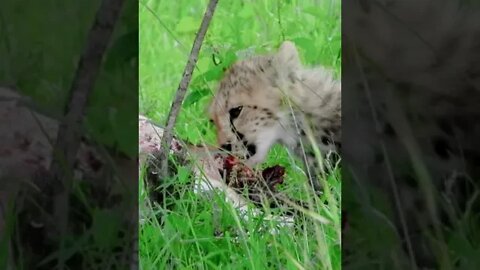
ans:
(68, 137)
(182, 89)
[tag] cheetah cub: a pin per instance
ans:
(274, 99)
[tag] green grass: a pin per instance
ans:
(40, 46)
(201, 232)
(33, 63)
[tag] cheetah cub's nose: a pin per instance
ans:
(226, 147)
(252, 150)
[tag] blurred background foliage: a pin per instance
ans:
(39, 50)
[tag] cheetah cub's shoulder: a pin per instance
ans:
(273, 98)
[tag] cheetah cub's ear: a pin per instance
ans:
(287, 56)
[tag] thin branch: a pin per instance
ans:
(182, 89)
(68, 136)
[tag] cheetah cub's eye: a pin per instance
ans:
(235, 112)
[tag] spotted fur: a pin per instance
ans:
(272, 99)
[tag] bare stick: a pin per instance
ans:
(68, 136)
(182, 89)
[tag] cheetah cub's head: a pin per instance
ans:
(247, 108)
